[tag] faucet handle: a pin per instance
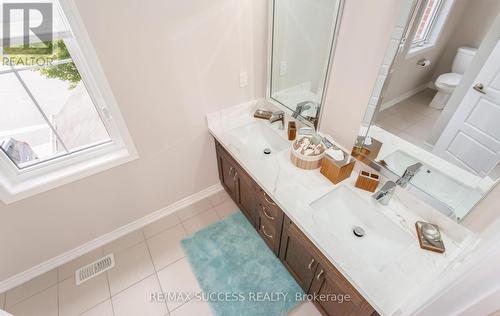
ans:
(389, 186)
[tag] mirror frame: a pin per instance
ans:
(328, 71)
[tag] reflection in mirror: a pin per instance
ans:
(302, 40)
(438, 112)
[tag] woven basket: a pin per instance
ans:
(305, 162)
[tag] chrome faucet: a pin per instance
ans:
(278, 116)
(301, 107)
(410, 172)
(384, 194)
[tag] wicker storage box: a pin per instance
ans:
(303, 161)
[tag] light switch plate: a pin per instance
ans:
(243, 79)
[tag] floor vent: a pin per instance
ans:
(94, 269)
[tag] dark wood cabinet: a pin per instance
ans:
(335, 296)
(310, 268)
(296, 255)
(226, 166)
(237, 183)
(245, 194)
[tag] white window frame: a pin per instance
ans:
(17, 184)
(438, 21)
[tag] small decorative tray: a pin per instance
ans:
(429, 237)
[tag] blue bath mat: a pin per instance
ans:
(238, 273)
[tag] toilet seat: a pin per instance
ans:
(448, 82)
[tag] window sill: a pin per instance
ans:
(14, 188)
(415, 51)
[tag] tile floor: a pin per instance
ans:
(148, 260)
(411, 119)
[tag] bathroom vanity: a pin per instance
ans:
(312, 271)
(308, 221)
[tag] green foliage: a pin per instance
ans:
(28, 57)
(65, 72)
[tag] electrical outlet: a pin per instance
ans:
(283, 68)
(243, 79)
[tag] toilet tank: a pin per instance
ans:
(463, 59)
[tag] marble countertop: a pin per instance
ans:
(389, 289)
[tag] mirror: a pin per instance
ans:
(302, 37)
(434, 115)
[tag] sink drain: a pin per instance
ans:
(358, 231)
(267, 151)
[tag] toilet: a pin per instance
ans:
(446, 83)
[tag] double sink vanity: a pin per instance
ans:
(308, 222)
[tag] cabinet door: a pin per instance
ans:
(335, 296)
(295, 255)
(227, 171)
(245, 194)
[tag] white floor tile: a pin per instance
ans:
(161, 225)
(103, 309)
(30, 288)
(41, 304)
(226, 208)
(200, 221)
(218, 198)
(68, 270)
(131, 266)
(193, 209)
(178, 278)
(136, 300)
(123, 243)
(305, 309)
(193, 308)
(165, 247)
(74, 300)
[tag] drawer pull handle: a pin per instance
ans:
(266, 214)
(266, 234)
(310, 264)
(320, 274)
(265, 198)
(231, 171)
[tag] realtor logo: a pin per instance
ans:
(24, 32)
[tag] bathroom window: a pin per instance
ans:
(430, 25)
(424, 28)
(58, 119)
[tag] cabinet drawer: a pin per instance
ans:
(271, 214)
(266, 200)
(270, 232)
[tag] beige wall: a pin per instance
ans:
(475, 21)
(364, 35)
(407, 75)
(168, 63)
(466, 25)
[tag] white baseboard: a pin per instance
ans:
(55, 262)
(406, 95)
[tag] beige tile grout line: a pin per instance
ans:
(36, 293)
(58, 282)
(57, 292)
(109, 291)
(156, 272)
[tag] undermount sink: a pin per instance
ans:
(341, 210)
(259, 135)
